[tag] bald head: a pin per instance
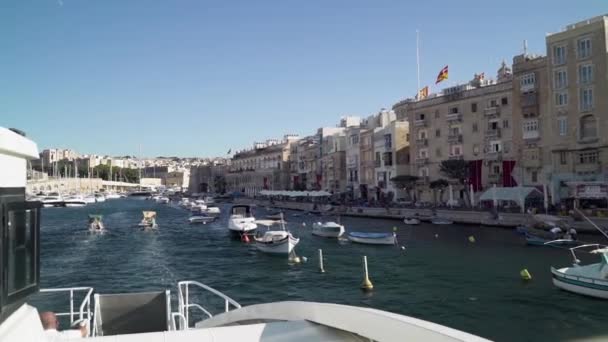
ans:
(49, 320)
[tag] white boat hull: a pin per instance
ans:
(327, 231)
(389, 240)
(412, 221)
(592, 287)
(242, 225)
(75, 204)
(201, 219)
(284, 247)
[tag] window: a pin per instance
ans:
(563, 157)
(495, 146)
(562, 125)
(437, 114)
(588, 157)
(586, 99)
(455, 131)
(422, 134)
(560, 79)
(583, 48)
(421, 116)
(504, 101)
(437, 133)
(493, 125)
(559, 54)
(585, 74)
(388, 141)
(588, 127)
(453, 110)
(496, 169)
(354, 139)
(530, 126)
(388, 158)
(492, 103)
(561, 98)
(423, 153)
(505, 123)
(407, 137)
(475, 149)
(438, 152)
(527, 81)
(475, 127)
(423, 172)
(529, 99)
(534, 176)
(377, 159)
(456, 150)
(474, 107)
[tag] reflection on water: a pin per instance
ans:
(440, 276)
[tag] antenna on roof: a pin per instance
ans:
(525, 47)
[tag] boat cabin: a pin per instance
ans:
(241, 209)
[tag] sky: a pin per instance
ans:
(197, 78)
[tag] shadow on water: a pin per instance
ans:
(440, 276)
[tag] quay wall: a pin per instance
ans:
(483, 218)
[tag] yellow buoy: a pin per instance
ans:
(525, 275)
(471, 239)
(366, 285)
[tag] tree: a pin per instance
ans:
(219, 184)
(406, 182)
(457, 169)
(438, 185)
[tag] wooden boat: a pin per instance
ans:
(327, 229)
(149, 220)
(373, 238)
(588, 280)
(275, 241)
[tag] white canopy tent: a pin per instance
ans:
(295, 193)
(516, 194)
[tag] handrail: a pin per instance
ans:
(183, 322)
(184, 299)
(85, 306)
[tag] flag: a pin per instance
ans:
(229, 150)
(443, 74)
(423, 93)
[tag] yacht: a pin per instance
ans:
(153, 315)
(74, 201)
(142, 195)
(53, 199)
(100, 198)
(89, 199)
(241, 221)
(112, 195)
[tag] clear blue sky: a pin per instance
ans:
(197, 77)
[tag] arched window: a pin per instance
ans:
(588, 127)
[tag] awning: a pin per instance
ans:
(295, 193)
(514, 194)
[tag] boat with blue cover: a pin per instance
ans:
(373, 238)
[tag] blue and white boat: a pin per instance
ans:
(373, 238)
(589, 280)
(535, 240)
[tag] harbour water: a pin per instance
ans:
(440, 276)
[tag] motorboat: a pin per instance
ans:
(411, 221)
(149, 220)
(74, 201)
(441, 221)
(112, 195)
(52, 200)
(212, 210)
(373, 238)
(198, 208)
(96, 224)
(204, 219)
(99, 198)
(241, 220)
(163, 200)
(589, 280)
(156, 315)
(535, 240)
(182, 202)
(275, 241)
(142, 195)
(89, 199)
(328, 229)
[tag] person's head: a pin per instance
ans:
(49, 320)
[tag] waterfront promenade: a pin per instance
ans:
(462, 216)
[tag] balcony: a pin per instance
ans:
(493, 133)
(531, 135)
(422, 160)
(455, 138)
(420, 123)
(524, 88)
(455, 156)
(492, 111)
(422, 142)
(532, 163)
(454, 117)
(493, 156)
(494, 177)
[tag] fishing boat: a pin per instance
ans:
(155, 315)
(275, 241)
(589, 280)
(411, 221)
(74, 201)
(241, 220)
(328, 229)
(149, 220)
(373, 238)
(441, 221)
(535, 240)
(96, 224)
(204, 219)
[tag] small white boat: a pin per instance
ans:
(373, 238)
(241, 220)
(52, 200)
(95, 224)
(100, 198)
(327, 229)
(589, 280)
(74, 201)
(112, 195)
(162, 199)
(198, 208)
(212, 210)
(89, 199)
(149, 220)
(411, 221)
(201, 219)
(441, 221)
(275, 241)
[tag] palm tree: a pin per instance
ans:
(457, 169)
(438, 185)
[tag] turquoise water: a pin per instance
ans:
(446, 279)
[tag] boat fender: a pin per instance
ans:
(436, 236)
(245, 238)
(303, 224)
(402, 248)
(525, 275)
(471, 239)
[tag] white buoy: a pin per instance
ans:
(321, 268)
(367, 284)
(402, 248)
(303, 224)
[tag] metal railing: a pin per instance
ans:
(183, 288)
(84, 310)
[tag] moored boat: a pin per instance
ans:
(373, 238)
(589, 280)
(441, 221)
(275, 241)
(74, 201)
(241, 220)
(149, 220)
(96, 224)
(535, 240)
(204, 219)
(411, 221)
(327, 229)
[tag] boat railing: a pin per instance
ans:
(580, 278)
(84, 310)
(184, 297)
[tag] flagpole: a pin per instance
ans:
(418, 60)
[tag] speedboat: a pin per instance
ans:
(140, 195)
(204, 219)
(52, 200)
(535, 240)
(100, 198)
(89, 199)
(373, 238)
(149, 220)
(589, 280)
(411, 221)
(162, 199)
(95, 224)
(275, 241)
(441, 221)
(327, 229)
(241, 220)
(74, 201)
(212, 210)
(112, 195)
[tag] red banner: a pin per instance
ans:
(507, 173)
(265, 183)
(475, 174)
